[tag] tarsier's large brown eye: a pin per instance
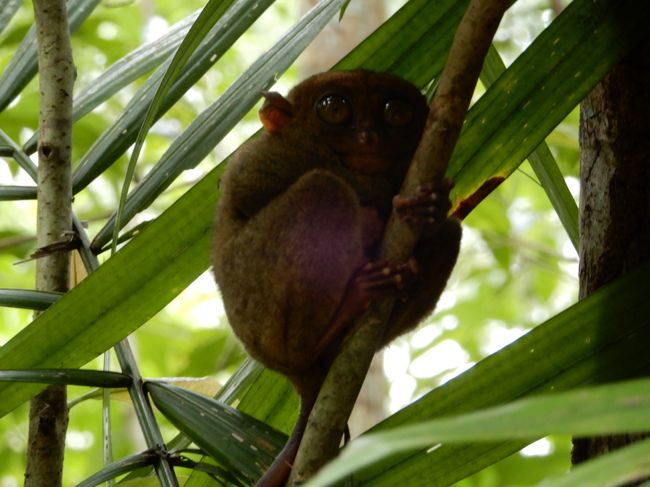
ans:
(334, 109)
(397, 113)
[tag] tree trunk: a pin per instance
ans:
(48, 414)
(615, 194)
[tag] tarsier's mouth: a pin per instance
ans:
(368, 163)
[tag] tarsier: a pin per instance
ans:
(300, 219)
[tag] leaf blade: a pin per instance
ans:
(616, 408)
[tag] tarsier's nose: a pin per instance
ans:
(368, 138)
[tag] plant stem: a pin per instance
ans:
(48, 415)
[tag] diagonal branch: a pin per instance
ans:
(448, 109)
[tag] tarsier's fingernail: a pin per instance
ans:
(413, 265)
(431, 220)
(399, 282)
(386, 271)
(434, 196)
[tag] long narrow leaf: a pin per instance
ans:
(77, 377)
(8, 9)
(617, 408)
(539, 90)
(214, 123)
(254, 390)
(597, 340)
(11, 149)
(28, 298)
(212, 425)
(17, 193)
(206, 20)
(23, 65)
(120, 467)
(262, 393)
(119, 296)
(616, 468)
(123, 72)
(542, 162)
(117, 139)
(413, 44)
(131, 67)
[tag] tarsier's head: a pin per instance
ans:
(372, 121)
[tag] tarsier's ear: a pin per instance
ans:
(276, 112)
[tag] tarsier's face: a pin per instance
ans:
(373, 121)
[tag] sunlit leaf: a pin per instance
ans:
(214, 123)
(23, 65)
(617, 408)
(616, 468)
(8, 8)
(123, 72)
(121, 135)
(599, 339)
(542, 162)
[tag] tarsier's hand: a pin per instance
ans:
(379, 279)
(429, 207)
(370, 282)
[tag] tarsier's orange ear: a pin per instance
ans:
(276, 112)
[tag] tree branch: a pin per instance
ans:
(448, 109)
(48, 415)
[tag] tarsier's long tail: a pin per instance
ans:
(278, 473)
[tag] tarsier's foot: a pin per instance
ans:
(378, 279)
(370, 282)
(429, 206)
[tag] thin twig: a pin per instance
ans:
(448, 109)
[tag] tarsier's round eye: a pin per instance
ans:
(334, 109)
(397, 113)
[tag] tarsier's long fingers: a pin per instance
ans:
(429, 206)
(380, 277)
(373, 280)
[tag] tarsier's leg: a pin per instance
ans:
(370, 282)
(435, 254)
(332, 281)
(296, 255)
